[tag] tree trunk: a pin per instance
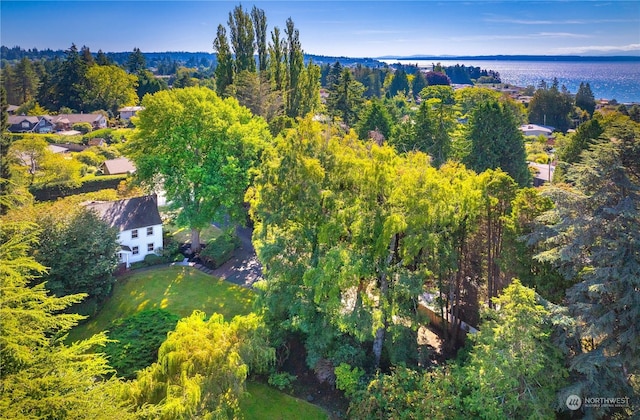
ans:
(378, 341)
(195, 240)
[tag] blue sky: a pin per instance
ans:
(337, 28)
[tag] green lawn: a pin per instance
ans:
(182, 235)
(264, 402)
(181, 290)
(178, 289)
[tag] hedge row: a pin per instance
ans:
(51, 192)
(49, 138)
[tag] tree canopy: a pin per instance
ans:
(200, 149)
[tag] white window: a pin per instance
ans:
(134, 233)
(150, 231)
(150, 247)
(25, 124)
(135, 250)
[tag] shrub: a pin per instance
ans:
(139, 338)
(347, 379)
(171, 250)
(89, 158)
(219, 250)
(282, 380)
(54, 191)
(153, 259)
(83, 127)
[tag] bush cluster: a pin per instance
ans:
(219, 250)
(138, 339)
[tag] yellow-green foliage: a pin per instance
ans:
(41, 377)
(202, 368)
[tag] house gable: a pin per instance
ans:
(138, 223)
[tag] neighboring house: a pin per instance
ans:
(71, 147)
(117, 166)
(11, 109)
(129, 111)
(543, 173)
(97, 142)
(65, 122)
(58, 149)
(536, 130)
(30, 124)
(138, 223)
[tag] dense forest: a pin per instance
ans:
(383, 203)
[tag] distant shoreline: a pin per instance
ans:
(514, 58)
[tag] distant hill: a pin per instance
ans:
(188, 59)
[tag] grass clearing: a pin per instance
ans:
(182, 235)
(264, 402)
(178, 289)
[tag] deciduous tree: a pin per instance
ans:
(202, 368)
(200, 148)
(109, 88)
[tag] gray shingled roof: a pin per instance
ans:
(133, 213)
(118, 166)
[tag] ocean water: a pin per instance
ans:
(619, 80)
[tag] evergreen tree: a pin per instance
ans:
(295, 67)
(593, 237)
(419, 82)
(87, 57)
(148, 84)
(334, 74)
(375, 118)
(25, 81)
(399, 83)
(514, 370)
(242, 39)
(5, 144)
(277, 57)
(435, 122)
(570, 150)
(345, 98)
(224, 70)
(102, 59)
(585, 99)
(496, 142)
(41, 377)
(136, 62)
(551, 107)
(259, 20)
(69, 80)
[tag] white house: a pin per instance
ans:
(138, 222)
(129, 111)
(536, 130)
